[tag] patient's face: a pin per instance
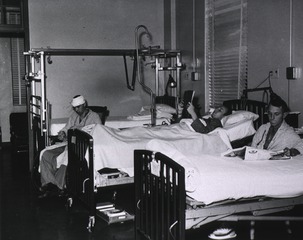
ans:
(219, 112)
(80, 109)
(275, 115)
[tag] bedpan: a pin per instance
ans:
(223, 233)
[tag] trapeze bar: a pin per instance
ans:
(103, 52)
(83, 52)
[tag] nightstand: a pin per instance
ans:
(293, 119)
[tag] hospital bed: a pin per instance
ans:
(165, 208)
(85, 157)
(180, 191)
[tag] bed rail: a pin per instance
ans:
(161, 211)
(79, 178)
(160, 197)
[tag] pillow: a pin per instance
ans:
(238, 116)
(240, 130)
(161, 107)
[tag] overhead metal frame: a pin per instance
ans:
(36, 73)
(36, 60)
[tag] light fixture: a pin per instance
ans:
(170, 83)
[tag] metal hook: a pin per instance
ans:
(83, 185)
(49, 60)
(138, 204)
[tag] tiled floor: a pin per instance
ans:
(24, 216)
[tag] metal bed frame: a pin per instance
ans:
(80, 173)
(163, 211)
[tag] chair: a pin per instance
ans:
(19, 132)
(102, 111)
(168, 100)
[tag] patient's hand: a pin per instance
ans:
(191, 111)
(180, 108)
(291, 152)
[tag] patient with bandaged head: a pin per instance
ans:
(53, 176)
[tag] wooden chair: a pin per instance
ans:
(102, 111)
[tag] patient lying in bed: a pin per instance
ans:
(207, 125)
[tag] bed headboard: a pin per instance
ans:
(252, 106)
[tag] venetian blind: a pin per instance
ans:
(226, 49)
(18, 71)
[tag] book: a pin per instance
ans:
(249, 153)
(105, 209)
(188, 97)
(115, 213)
(104, 205)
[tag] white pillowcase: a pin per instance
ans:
(165, 108)
(240, 130)
(238, 116)
(235, 131)
(161, 107)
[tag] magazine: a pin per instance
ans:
(237, 152)
(250, 154)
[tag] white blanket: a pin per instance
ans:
(114, 148)
(211, 179)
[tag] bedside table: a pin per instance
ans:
(292, 119)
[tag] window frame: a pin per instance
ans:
(225, 50)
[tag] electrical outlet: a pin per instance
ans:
(275, 74)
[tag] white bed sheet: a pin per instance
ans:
(125, 122)
(212, 179)
(114, 148)
(56, 124)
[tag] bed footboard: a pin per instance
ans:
(161, 211)
(160, 197)
(79, 178)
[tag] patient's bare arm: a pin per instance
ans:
(191, 111)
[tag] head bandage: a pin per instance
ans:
(78, 101)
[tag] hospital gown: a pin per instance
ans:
(284, 137)
(50, 173)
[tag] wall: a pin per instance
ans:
(94, 24)
(190, 39)
(6, 104)
(269, 48)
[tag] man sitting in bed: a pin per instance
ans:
(277, 135)
(211, 123)
(52, 177)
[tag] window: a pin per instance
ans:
(10, 12)
(225, 50)
(18, 71)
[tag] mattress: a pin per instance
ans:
(211, 179)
